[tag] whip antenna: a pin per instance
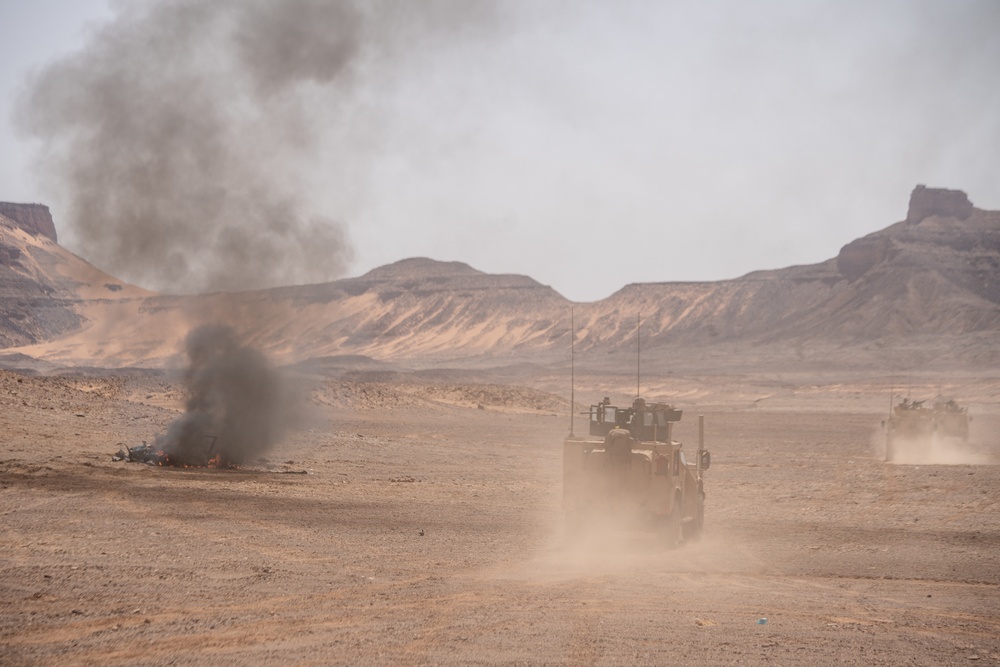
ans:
(638, 351)
(572, 369)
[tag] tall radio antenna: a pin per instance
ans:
(572, 369)
(638, 351)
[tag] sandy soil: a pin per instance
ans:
(431, 533)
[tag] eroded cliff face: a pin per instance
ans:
(32, 307)
(934, 277)
(9, 254)
(951, 207)
(43, 286)
(32, 218)
(860, 255)
(925, 202)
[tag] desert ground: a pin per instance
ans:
(406, 523)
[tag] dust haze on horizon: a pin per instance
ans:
(191, 145)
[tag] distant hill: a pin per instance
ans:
(934, 274)
(930, 274)
(41, 283)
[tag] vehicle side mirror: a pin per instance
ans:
(706, 459)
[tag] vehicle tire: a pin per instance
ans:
(671, 527)
(699, 517)
(692, 529)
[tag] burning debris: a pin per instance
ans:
(150, 455)
(235, 411)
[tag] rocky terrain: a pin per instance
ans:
(928, 284)
(404, 524)
(411, 512)
(45, 290)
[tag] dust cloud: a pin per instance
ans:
(186, 134)
(608, 546)
(978, 448)
(941, 451)
(237, 406)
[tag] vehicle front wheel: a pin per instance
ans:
(698, 525)
(671, 528)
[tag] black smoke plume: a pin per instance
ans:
(236, 408)
(186, 138)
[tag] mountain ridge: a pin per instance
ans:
(934, 274)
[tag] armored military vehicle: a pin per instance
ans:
(909, 427)
(630, 469)
(951, 420)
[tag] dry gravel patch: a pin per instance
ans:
(431, 534)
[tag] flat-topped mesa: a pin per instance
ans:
(32, 218)
(926, 201)
(421, 267)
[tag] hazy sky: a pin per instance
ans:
(585, 144)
